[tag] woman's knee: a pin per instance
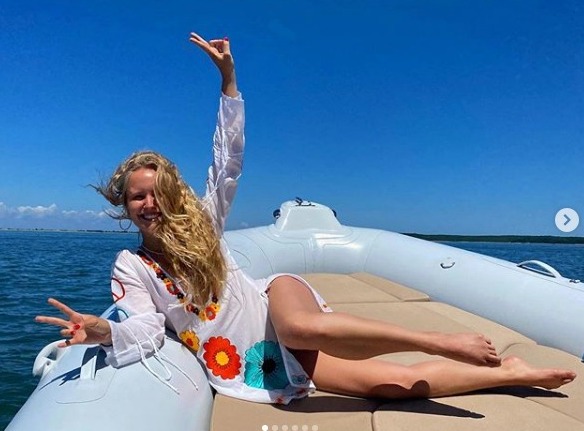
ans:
(299, 330)
(294, 313)
(293, 291)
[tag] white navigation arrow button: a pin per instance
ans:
(567, 220)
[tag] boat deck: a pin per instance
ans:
(369, 296)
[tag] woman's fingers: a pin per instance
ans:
(202, 43)
(221, 45)
(198, 40)
(66, 343)
(216, 48)
(194, 37)
(69, 325)
(53, 321)
(62, 307)
(73, 327)
(67, 332)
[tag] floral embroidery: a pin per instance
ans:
(190, 339)
(209, 313)
(264, 366)
(160, 274)
(221, 358)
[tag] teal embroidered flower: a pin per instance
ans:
(264, 366)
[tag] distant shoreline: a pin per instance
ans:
(10, 229)
(533, 239)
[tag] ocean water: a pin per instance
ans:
(70, 266)
(74, 267)
(567, 259)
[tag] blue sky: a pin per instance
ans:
(414, 116)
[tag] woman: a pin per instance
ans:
(269, 340)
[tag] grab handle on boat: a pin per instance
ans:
(546, 269)
(43, 362)
(447, 263)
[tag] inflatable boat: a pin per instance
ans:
(528, 309)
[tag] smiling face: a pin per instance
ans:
(141, 203)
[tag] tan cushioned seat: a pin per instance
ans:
(476, 412)
(361, 287)
(322, 410)
(517, 409)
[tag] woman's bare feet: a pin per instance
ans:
(471, 348)
(524, 374)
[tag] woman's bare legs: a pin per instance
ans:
(383, 379)
(301, 325)
(333, 347)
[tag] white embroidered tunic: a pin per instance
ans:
(232, 336)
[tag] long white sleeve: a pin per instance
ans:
(140, 323)
(228, 146)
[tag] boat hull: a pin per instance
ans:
(78, 390)
(78, 387)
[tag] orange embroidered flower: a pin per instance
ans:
(211, 311)
(221, 357)
(190, 339)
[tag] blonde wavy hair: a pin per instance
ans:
(189, 240)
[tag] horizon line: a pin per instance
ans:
(551, 239)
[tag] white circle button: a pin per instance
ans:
(567, 220)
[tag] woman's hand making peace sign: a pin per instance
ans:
(80, 328)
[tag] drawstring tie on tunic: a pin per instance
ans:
(160, 357)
